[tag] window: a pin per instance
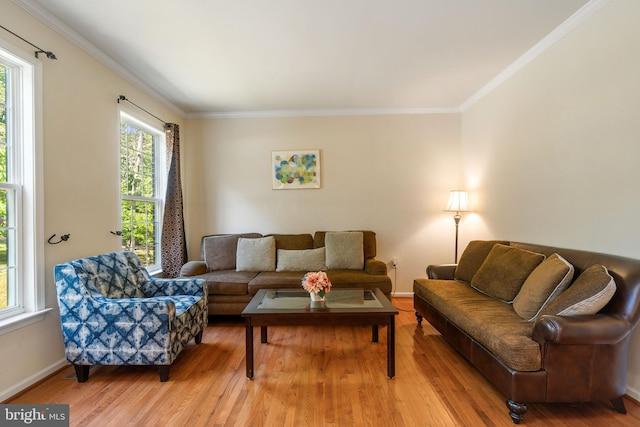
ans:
(21, 248)
(141, 160)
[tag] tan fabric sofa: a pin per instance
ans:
(221, 258)
(544, 353)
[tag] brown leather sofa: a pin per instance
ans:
(582, 358)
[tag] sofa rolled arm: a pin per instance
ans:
(193, 268)
(596, 329)
(375, 266)
(441, 271)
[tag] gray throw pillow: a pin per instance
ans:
(301, 260)
(344, 250)
(220, 252)
(256, 254)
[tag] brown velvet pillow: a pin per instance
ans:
(591, 291)
(220, 252)
(473, 257)
(543, 285)
(504, 271)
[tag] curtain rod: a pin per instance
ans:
(124, 98)
(49, 54)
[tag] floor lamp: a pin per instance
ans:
(458, 202)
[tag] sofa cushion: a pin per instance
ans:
(590, 292)
(344, 250)
(228, 282)
(543, 285)
(301, 260)
(293, 241)
(503, 272)
(368, 237)
(472, 258)
(275, 280)
(256, 254)
(508, 338)
(220, 252)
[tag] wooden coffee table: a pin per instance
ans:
(291, 307)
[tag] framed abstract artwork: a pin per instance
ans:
(295, 169)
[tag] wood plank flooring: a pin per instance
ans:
(306, 376)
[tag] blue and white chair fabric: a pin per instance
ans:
(114, 313)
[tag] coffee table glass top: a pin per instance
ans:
(284, 299)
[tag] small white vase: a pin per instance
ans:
(317, 301)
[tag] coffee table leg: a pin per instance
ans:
(249, 347)
(391, 347)
(263, 334)
(374, 333)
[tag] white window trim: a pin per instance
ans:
(161, 175)
(31, 256)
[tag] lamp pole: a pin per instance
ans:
(456, 218)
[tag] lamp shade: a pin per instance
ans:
(458, 202)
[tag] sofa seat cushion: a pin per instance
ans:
(359, 279)
(275, 280)
(228, 282)
(492, 323)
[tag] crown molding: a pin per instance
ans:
(584, 13)
(557, 34)
(65, 31)
(322, 113)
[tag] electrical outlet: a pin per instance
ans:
(395, 261)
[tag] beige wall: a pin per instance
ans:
(81, 178)
(553, 152)
(390, 174)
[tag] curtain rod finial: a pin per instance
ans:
(122, 98)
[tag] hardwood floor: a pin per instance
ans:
(307, 377)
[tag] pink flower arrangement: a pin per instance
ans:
(316, 282)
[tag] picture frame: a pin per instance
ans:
(295, 169)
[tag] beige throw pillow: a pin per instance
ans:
(256, 254)
(542, 286)
(590, 292)
(301, 260)
(220, 252)
(504, 271)
(344, 250)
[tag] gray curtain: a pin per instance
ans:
(173, 242)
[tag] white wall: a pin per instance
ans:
(81, 179)
(554, 151)
(390, 174)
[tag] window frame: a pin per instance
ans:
(24, 133)
(127, 114)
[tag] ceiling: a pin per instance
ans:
(248, 56)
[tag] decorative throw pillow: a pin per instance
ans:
(301, 260)
(473, 257)
(256, 254)
(504, 271)
(543, 285)
(344, 250)
(220, 252)
(590, 292)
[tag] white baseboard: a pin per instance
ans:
(12, 391)
(634, 394)
(402, 294)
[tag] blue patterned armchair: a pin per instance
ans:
(114, 313)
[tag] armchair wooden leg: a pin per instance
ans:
(198, 337)
(82, 372)
(164, 373)
(618, 405)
